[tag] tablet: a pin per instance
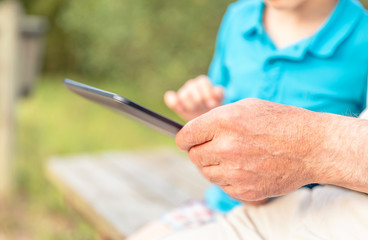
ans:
(125, 106)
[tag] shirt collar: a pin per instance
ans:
(324, 43)
(337, 28)
(253, 23)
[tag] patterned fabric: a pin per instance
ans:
(191, 214)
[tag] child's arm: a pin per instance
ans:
(195, 97)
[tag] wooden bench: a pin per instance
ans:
(120, 191)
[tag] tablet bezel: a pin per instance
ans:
(125, 106)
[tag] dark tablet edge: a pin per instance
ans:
(117, 98)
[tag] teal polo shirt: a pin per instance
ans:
(326, 72)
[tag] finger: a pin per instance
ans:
(215, 175)
(243, 192)
(197, 96)
(202, 155)
(231, 191)
(186, 97)
(198, 131)
(219, 93)
(207, 92)
(172, 101)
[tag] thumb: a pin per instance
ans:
(197, 131)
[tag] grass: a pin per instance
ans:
(53, 121)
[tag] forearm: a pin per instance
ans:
(343, 157)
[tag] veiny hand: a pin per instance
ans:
(254, 149)
(196, 97)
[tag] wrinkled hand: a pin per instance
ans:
(254, 149)
(196, 97)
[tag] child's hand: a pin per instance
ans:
(195, 97)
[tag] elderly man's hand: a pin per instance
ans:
(254, 149)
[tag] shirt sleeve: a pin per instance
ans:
(218, 73)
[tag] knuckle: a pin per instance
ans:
(197, 101)
(232, 116)
(197, 96)
(184, 94)
(188, 84)
(226, 151)
(204, 82)
(227, 113)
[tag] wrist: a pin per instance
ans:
(340, 158)
(313, 147)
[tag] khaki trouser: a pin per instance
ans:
(324, 212)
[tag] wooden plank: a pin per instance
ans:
(120, 191)
(84, 208)
(10, 15)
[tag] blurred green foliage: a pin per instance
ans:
(134, 42)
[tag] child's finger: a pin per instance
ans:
(197, 96)
(172, 101)
(219, 93)
(208, 92)
(186, 98)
